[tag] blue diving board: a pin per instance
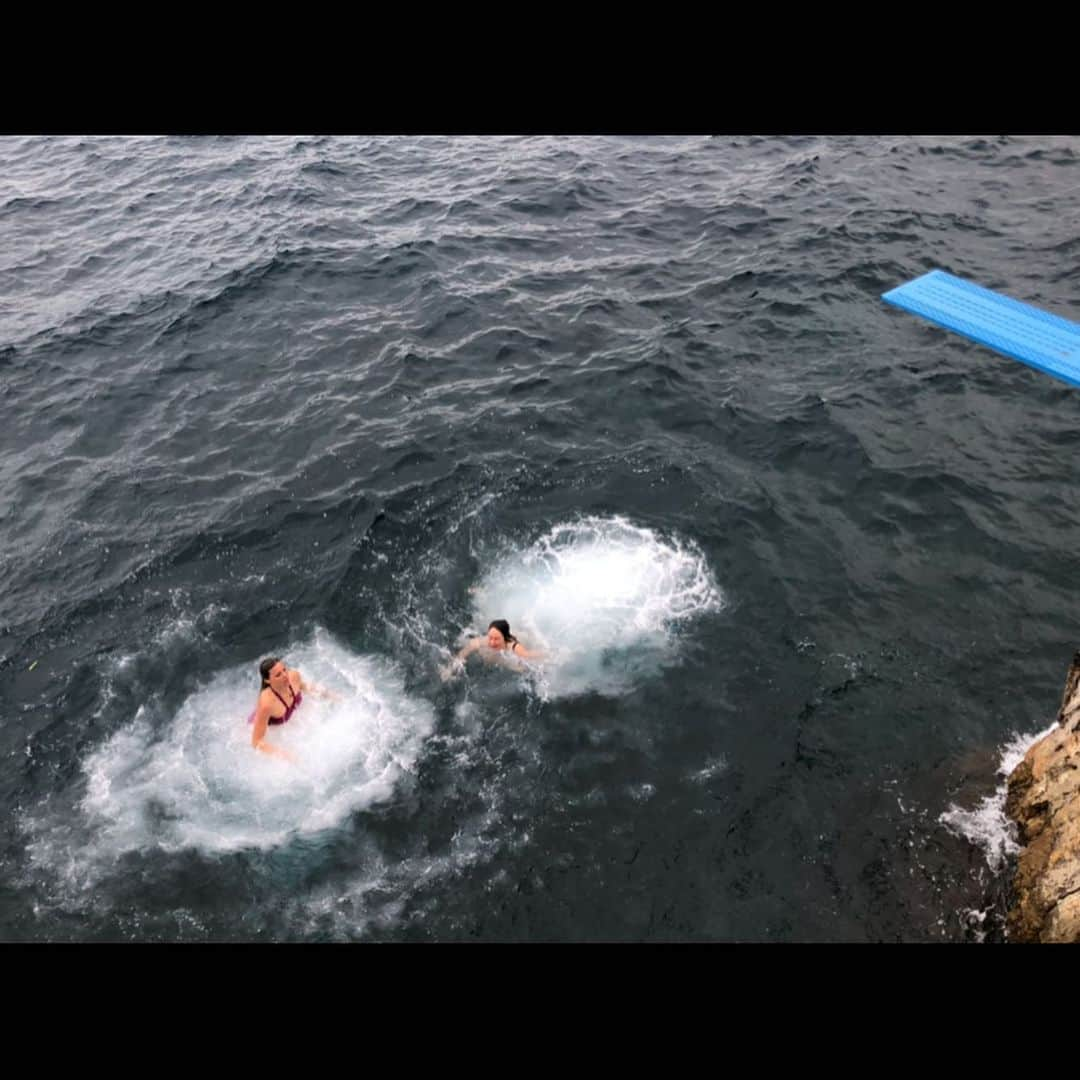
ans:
(1025, 333)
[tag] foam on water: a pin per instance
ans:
(195, 781)
(986, 825)
(603, 598)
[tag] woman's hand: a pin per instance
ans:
(318, 691)
(454, 667)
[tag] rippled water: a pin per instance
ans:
(804, 566)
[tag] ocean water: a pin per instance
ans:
(803, 566)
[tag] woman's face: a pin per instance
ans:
(278, 674)
(495, 639)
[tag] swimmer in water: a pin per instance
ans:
(498, 643)
(280, 696)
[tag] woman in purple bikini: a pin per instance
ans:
(280, 696)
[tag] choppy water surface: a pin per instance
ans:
(803, 566)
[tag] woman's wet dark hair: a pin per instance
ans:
(504, 628)
(266, 667)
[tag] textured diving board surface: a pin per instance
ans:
(1025, 333)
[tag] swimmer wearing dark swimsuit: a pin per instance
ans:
(298, 697)
(499, 640)
(280, 681)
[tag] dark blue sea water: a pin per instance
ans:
(804, 565)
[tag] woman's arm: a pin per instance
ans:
(527, 654)
(458, 662)
(258, 733)
(313, 688)
(470, 648)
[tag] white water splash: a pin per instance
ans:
(986, 826)
(604, 600)
(196, 782)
